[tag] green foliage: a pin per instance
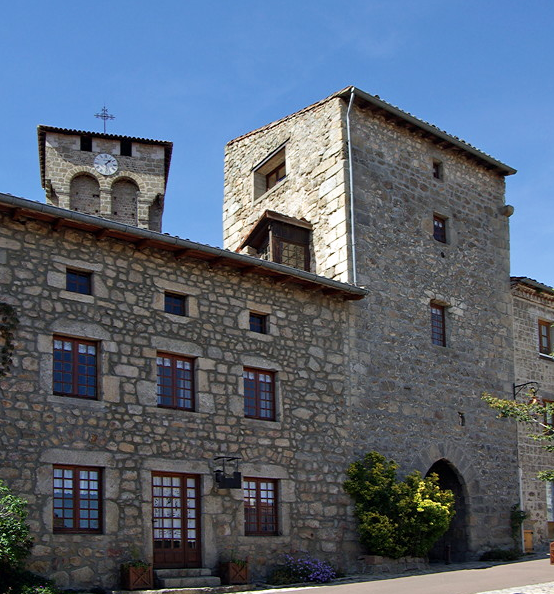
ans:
(517, 517)
(531, 411)
(25, 582)
(397, 518)
(15, 542)
(501, 555)
(303, 569)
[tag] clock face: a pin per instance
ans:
(105, 164)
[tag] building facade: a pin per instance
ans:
(362, 303)
(534, 367)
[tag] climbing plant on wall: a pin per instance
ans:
(8, 325)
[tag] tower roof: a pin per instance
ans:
(405, 120)
(42, 130)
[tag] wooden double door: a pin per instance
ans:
(176, 520)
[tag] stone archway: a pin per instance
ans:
(453, 545)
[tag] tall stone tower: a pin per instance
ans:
(116, 177)
(363, 192)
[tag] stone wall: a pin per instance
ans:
(314, 187)
(530, 306)
(146, 168)
(124, 432)
(416, 401)
(412, 400)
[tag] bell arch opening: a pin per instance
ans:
(453, 546)
(84, 194)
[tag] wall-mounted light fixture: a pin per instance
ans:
(225, 477)
(532, 390)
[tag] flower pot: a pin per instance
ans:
(137, 577)
(233, 573)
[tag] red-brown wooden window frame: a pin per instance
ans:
(275, 175)
(78, 281)
(259, 402)
(439, 228)
(67, 380)
(438, 324)
(261, 507)
(545, 337)
(80, 504)
(175, 304)
(188, 395)
(258, 322)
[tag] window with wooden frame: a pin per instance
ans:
(282, 239)
(75, 367)
(259, 394)
(260, 507)
(438, 326)
(548, 416)
(439, 228)
(77, 505)
(271, 171)
(545, 337)
(175, 381)
(259, 322)
(175, 304)
(78, 281)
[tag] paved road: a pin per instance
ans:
(525, 577)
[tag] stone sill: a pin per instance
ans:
(546, 357)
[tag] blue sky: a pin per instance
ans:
(202, 73)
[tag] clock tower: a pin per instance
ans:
(120, 178)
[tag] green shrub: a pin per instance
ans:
(15, 541)
(397, 518)
(24, 582)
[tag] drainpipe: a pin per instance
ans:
(351, 184)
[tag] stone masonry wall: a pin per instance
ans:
(146, 168)
(531, 366)
(128, 436)
(413, 401)
(314, 187)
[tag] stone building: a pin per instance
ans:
(534, 369)
(362, 303)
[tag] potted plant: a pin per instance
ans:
(234, 571)
(136, 574)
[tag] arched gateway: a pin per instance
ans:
(453, 546)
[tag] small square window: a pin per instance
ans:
(126, 147)
(259, 323)
(438, 329)
(78, 281)
(545, 337)
(437, 169)
(86, 143)
(270, 172)
(439, 228)
(175, 304)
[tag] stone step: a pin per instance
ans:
(183, 572)
(199, 581)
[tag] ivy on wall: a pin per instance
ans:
(8, 325)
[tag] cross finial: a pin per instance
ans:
(104, 115)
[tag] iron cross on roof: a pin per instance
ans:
(104, 115)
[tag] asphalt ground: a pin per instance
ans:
(534, 576)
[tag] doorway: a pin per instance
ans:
(176, 520)
(453, 545)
